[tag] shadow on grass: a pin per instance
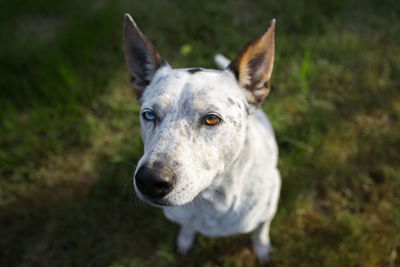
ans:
(100, 222)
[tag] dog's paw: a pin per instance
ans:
(185, 240)
(261, 242)
(183, 250)
(262, 252)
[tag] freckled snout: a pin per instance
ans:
(156, 181)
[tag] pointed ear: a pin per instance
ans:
(253, 66)
(141, 57)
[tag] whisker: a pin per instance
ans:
(202, 203)
(129, 163)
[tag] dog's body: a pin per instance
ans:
(210, 157)
(244, 195)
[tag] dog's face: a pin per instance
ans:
(192, 125)
(193, 121)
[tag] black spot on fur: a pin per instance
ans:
(194, 70)
(206, 165)
(230, 100)
(246, 107)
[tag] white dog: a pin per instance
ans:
(210, 155)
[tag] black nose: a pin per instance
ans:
(155, 182)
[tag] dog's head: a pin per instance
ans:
(193, 121)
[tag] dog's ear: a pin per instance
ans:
(253, 66)
(141, 57)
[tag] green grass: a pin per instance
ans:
(69, 133)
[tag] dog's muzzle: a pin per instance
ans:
(155, 182)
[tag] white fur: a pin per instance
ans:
(227, 178)
(221, 61)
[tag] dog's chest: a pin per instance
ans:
(239, 213)
(242, 198)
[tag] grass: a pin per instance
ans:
(69, 135)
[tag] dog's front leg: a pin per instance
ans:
(185, 240)
(261, 242)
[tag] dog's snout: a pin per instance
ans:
(154, 182)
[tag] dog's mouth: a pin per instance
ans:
(160, 203)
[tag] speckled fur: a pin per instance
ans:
(227, 180)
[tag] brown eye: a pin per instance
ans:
(211, 119)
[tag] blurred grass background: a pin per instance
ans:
(69, 131)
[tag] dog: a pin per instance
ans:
(210, 154)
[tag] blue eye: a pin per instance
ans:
(148, 115)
